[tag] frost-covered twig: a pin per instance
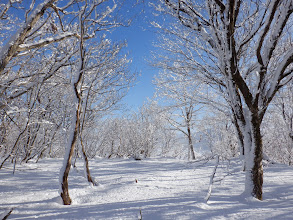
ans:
(212, 179)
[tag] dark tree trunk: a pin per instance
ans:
(257, 170)
(239, 135)
(190, 144)
(188, 112)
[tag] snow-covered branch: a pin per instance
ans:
(9, 50)
(47, 41)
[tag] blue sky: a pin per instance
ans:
(140, 37)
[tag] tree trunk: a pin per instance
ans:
(240, 143)
(190, 144)
(86, 163)
(188, 119)
(67, 163)
(239, 135)
(70, 151)
(257, 170)
(253, 158)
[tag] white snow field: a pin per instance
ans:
(150, 189)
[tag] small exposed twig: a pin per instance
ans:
(4, 216)
(212, 180)
(140, 215)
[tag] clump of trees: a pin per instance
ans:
(278, 127)
(242, 49)
(59, 73)
(225, 85)
(142, 134)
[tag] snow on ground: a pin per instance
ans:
(157, 188)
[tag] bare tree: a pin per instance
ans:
(55, 40)
(141, 134)
(92, 18)
(278, 127)
(179, 93)
(217, 130)
(105, 82)
(27, 94)
(235, 46)
(26, 62)
(30, 34)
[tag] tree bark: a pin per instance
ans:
(257, 170)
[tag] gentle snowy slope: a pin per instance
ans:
(158, 188)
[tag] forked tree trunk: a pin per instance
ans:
(70, 151)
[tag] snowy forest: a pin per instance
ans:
(214, 142)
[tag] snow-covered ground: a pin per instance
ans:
(153, 188)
